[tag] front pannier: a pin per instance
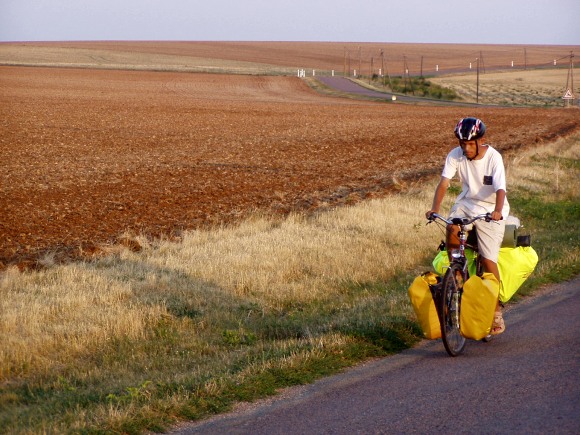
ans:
(420, 293)
(478, 303)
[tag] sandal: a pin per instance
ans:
(498, 325)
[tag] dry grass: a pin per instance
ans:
(52, 317)
(543, 87)
(55, 317)
(549, 170)
(551, 173)
(298, 258)
(62, 57)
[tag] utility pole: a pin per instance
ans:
(372, 67)
(383, 66)
(477, 92)
(572, 71)
(344, 66)
(569, 96)
(525, 59)
(386, 70)
(421, 67)
(348, 52)
(359, 61)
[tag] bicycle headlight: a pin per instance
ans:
(455, 253)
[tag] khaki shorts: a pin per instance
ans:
(489, 234)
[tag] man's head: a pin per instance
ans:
(470, 148)
(469, 131)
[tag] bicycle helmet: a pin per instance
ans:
(469, 129)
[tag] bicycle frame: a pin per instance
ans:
(459, 256)
(448, 299)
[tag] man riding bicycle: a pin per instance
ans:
(482, 174)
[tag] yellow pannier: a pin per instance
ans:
(441, 262)
(515, 266)
(422, 301)
(478, 303)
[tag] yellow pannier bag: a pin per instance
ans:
(478, 304)
(441, 262)
(424, 306)
(515, 266)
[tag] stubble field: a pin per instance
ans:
(532, 87)
(89, 155)
(283, 57)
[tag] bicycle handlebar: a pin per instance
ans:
(459, 221)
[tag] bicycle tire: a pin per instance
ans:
(452, 286)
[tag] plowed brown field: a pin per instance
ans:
(87, 155)
(284, 57)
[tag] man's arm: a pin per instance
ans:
(499, 201)
(439, 195)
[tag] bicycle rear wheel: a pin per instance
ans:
(452, 286)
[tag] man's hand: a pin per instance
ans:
(429, 213)
(496, 215)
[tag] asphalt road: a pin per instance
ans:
(345, 85)
(525, 381)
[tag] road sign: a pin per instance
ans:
(568, 95)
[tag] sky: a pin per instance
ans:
(552, 22)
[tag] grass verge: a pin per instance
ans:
(417, 86)
(136, 341)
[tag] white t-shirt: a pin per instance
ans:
(480, 179)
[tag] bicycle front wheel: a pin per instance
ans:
(452, 287)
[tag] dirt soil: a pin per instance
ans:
(255, 57)
(90, 155)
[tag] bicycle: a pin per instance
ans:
(447, 296)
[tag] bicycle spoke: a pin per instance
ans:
(453, 341)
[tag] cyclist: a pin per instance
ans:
(482, 175)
